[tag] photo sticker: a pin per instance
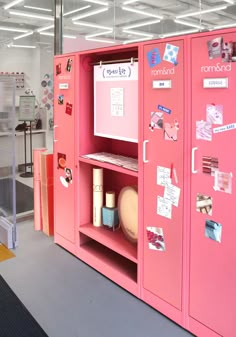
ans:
(214, 113)
(68, 108)
(223, 182)
(61, 99)
(58, 69)
(213, 230)
(61, 160)
(155, 238)
(210, 165)
(69, 65)
(171, 131)
(171, 53)
(204, 204)
(215, 48)
(153, 57)
(227, 51)
(67, 178)
(156, 121)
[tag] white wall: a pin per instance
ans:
(46, 67)
(35, 63)
(22, 60)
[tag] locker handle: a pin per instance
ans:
(145, 151)
(54, 127)
(194, 149)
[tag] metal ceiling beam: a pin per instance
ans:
(58, 26)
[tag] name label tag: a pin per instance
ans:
(215, 83)
(162, 84)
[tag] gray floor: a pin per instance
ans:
(69, 299)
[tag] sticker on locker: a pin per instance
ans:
(155, 238)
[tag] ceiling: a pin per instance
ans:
(111, 21)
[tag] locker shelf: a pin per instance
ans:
(109, 166)
(112, 265)
(116, 240)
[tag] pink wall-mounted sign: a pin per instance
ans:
(116, 101)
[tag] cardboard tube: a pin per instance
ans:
(97, 196)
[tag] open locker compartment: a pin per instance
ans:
(110, 252)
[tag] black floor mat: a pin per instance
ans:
(24, 197)
(15, 319)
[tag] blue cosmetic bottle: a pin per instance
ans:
(110, 217)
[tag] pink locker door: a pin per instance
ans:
(64, 146)
(163, 170)
(213, 184)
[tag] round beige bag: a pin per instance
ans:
(128, 212)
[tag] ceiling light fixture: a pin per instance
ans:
(162, 36)
(12, 29)
(99, 2)
(101, 40)
(188, 24)
(230, 2)
(23, 35)
(13, 3)
(99, 34)
(136, 40)
(77, 10)
(201, 12)
(128, 2)
(64, 35)
(94, 12)
(92, 25)
(34, 16)
(129, 9)
(45, 28)
(47, 33)
(138, 33)
(69, 36)
(146, 23)
(20, 46)
(39, 8)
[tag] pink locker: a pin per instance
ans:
(212, 292)
(183, 264)
(163, 129)
(64, 150)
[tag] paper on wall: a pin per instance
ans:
(172, 193)
(204, 130)
(163, 176)
(164, 207)
(117, 102)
